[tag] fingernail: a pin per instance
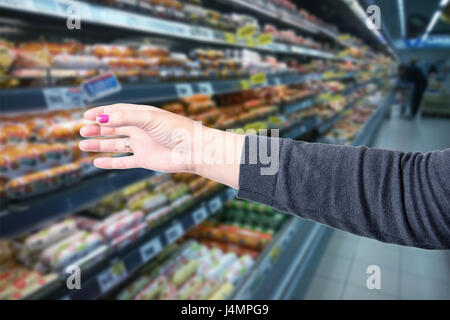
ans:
(103, 118)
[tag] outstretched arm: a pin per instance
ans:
(391, 196)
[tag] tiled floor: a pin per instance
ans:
(406, 273)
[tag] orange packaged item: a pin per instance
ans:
(43, 181)
(175, 108)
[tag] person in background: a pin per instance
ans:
(415, 75)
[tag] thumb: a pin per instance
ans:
(127, 118)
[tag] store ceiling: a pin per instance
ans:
(417, 16)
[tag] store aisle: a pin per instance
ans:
(406, 273)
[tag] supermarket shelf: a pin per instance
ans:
(106, 16)
(26, 216)
(302, 25)
(286, 258)
(101, 279)
(298, 129)
(269, 12)
(34, 99)
(369, 130)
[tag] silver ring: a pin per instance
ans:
(127, 145)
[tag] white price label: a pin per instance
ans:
(277, 81)
(200, 215)
(198, 32)
(215, 205)
(63, 98)
(150, 249)
(112, 276)
(231, 194)
(206, 88)
(174, 233)
(184, 90)
(27, 4)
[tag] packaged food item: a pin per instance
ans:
(42, 239)
(42, 181)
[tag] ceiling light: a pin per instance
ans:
(401, 11)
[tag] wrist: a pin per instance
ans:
(217, 155)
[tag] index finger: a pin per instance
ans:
(92, 114)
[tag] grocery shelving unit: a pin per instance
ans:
(36, 99)
(104, 16)
(294, 246)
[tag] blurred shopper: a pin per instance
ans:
(415, 75)
(392, 196)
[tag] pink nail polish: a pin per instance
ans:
(103, 118)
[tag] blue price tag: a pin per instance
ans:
(101, 86)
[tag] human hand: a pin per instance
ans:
(160, 140)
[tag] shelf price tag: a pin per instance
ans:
(277, 81)
(265, 39)
(329, 75)
(27, 4)
(230, 37)
(246, 85)
(258, 78)
(174, 233)
(112, 276)
(200, 215)
(63, 98)
(215, 205)
(250, 42)
(198, 32)
(246, 32)
(184, 90)
(101, 86)
(150, 249)
(206, 88)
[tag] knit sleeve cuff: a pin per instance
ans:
(259, 168)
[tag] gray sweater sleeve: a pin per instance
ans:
(391, 196)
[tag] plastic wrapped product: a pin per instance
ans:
(101, 227)
(223, 292)
(43, 181)
(92, 258)
(154, 216)
(184, 272)
(73, 252)
(129, 292)
(206, 290)
(153, 290)
(237, 269)
(129, 236)
(47, 255)
(76, 62)
(191, 286)
(123, 224)
(217, 270)
(50, 235)
(24, 285)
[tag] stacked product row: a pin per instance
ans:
(39, 63)
(40, 150)
(211, 260)
(88, 237)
